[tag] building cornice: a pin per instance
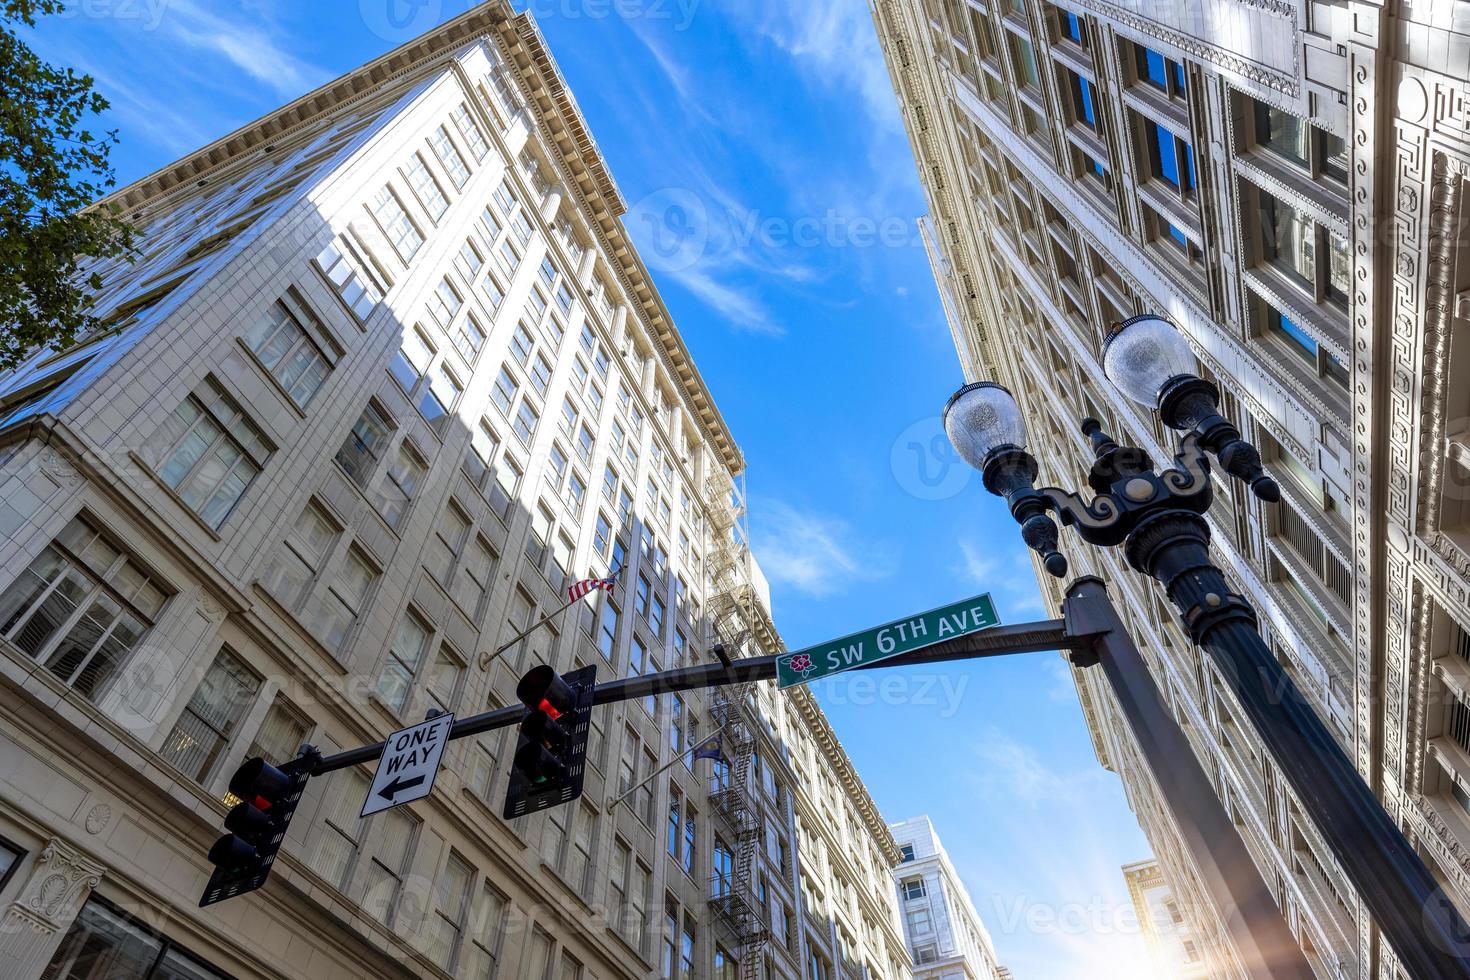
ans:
(852, 784)
(561, 123)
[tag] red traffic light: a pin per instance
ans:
(260, 783)
(543, 689)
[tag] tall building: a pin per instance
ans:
(945, 935)
(1285, 181)
(1172, 946)
(386, 375)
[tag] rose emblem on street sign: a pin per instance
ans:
(801, 664)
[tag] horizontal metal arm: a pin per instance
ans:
(995, 642)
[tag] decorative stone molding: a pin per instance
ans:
(1269, 77)
(34, 924)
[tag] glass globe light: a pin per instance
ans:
(1143, 354)
(982, 417)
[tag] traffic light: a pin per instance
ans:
(552, 749)
(257, 825)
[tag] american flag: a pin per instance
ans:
(587, 585)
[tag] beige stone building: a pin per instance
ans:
(387, 375)
(1172, 945)
(1285, 180)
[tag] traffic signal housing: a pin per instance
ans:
(551, 752)
(257, 825)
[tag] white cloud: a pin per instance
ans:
(243, 43)
(1015, 769)
(812, 553)
(836, 43)
(1007, 573)
(742, 310)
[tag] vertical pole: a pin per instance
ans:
(1247, 912)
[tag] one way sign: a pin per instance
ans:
(409, 763)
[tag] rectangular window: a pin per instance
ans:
(1023, 57)
(427, 188)
(102, 943)
(412, 361)
(331, 613)
(1083, 106)
(353, 278)
(503, 394)
(525, 422)
(607, 630)
(470, 130)
(449, 156)
(1283, 134)
(209, 720)
(364, 445)
(291, 355)
(395, 223)
(400, 482)
(405, 656)
(209, 452)
(451, 901)
(444, 303)
(469, 338)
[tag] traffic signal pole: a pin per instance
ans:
(1092, 634)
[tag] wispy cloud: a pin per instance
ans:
(1007, 572)
(813, 553)
(245, 44)
(836, 44)
(1018, 770)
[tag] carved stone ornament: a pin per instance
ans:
(98, 818)
(59, 883)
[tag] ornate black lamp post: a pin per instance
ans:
(1158, 519)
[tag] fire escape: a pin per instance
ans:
(734, 621)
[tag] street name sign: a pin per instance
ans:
(408, 765)
(889, 640)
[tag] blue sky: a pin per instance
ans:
(773, 195)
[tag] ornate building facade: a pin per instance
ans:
(1172, 946)
(385, 377)
(946, 937)
(1285, 180)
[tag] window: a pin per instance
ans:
(396, 224)
(723, 863)
(405, 657)
(656, 612)
(395, 830)
(364, 445)
(280, 735)
(486, 934)
(906, 852)
(524, 425)
(444, 304)
(412, 361)
(1171, 159)
(1301, 342)
(607, 630)
(1162, 73)
(913, 888)
(1310, 256)
(427, 188)
(359, 284)
(9, 859)
(209, 720)
(503, 394)
(102, 942)
(1084, 108)
(691, 842)
(1071, 25)
(81, 607)
(400, 482)
(919, 921)
(686, 949)
(208, 452)
(469, 338)
(1023, 57)
(451, 902)
(470, 130)
(726, 966)
(291, 355)
(449, 156)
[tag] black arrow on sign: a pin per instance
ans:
(398, 785)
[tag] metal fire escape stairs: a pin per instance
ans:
(734, 620)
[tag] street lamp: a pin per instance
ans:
(1158, 518)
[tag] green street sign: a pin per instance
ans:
(889, 640)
